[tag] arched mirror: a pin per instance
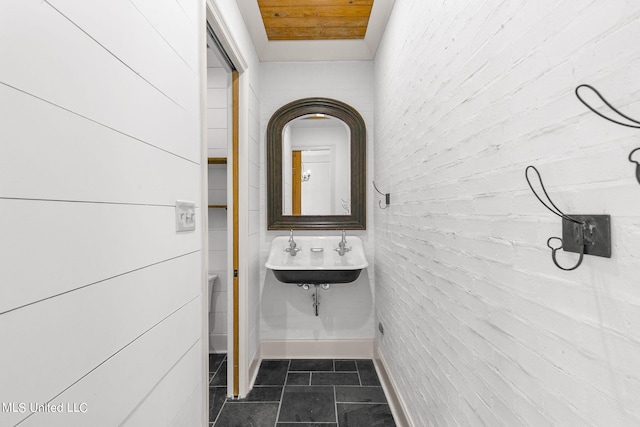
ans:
(316, 166)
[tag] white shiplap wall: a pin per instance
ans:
(100, 298)
(346, 312)
(480, 327)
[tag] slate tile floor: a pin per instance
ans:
(301, 393)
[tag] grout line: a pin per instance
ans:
(226, 398)
(335, 405)
(328, 372)
(224, 359)
(217, 371)
(286, 377)
(220, 412)
(334, 386)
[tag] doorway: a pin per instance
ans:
(222, 213)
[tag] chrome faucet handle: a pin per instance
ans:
(293, 248)
(342, 249)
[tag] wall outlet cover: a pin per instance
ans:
(185, 216)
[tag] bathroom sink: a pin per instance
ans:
(317, 262)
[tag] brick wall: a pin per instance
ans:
(480, 327)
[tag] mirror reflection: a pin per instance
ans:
(327, 154)
(316, 166)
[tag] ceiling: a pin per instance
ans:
(314, 19)
(315, 30)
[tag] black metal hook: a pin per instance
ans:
(387, 197)
(635, 125)
(554, 250)
(555, 210)
(637, 164)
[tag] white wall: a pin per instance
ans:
(218, 259)
(100, 302)
(218, 104)
(346, 311)
(480, 327)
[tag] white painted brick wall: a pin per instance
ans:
(480, 327)
(346, 311)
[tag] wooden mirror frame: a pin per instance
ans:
(331, 107)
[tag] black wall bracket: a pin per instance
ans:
(595, 233)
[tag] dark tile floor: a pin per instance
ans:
(301, 393)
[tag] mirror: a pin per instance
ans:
(316, 166)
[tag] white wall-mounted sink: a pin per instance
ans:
(317, 262)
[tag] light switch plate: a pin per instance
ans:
(185, 216)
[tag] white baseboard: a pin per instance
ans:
(317, 349)
(253, 368)
(398, 406)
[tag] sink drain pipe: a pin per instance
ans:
(315, 296)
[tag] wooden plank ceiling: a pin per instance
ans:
(315, 19)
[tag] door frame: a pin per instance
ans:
(237, 372)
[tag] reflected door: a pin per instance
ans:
(317, 183)
(296, 182)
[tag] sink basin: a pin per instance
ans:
(317, 262)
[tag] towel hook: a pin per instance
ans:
(637, 164)
(554, 250)
(635, 123)
(387, 197)
(556, 211)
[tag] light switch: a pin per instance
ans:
(185, 216)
